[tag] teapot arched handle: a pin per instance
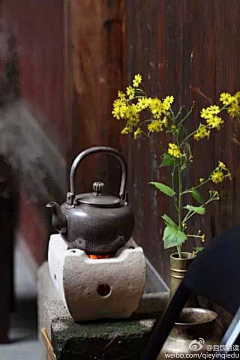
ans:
(94, 150)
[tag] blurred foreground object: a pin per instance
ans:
(216, 265)
(8, 214)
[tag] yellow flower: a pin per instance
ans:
(234, 110)
(167, 102)
(202, 133)
(137, 80)
(214, 195)
(226, 98)
(131, 113)
(137, 133)
(130, 92)
(237, 96)
(121, 95)
(205, 113)
(215, 122)
(143, 103)
(210, 111)
(222, 165)
(155, 126)
(201, 180)
(214, 109)
(118, 103)
(165, 121)
(174, 150)
(119, 109)
(217, 176)
(156, 107)
(203, 237)
(126, 130)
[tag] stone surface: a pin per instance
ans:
(46, 293)
(100, 288)
(108, 340)
(103, 339)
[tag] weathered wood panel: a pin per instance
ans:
(97, 40)
(175, 45)
(75, 55)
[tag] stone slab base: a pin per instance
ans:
(96, 340)
(108, 340)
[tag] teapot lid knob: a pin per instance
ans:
(98, 187)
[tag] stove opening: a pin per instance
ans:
(104, 290)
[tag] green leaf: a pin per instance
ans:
(168, 160)
(163, 188)
(197, 196)
(197, 249)
(173, 237)
(169, 221)
(197, 209)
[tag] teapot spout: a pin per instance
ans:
(59, 220)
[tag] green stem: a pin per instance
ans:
(185, 117)
(179, 249)
(179, 198)
(172, 117)
(154, 141)
(223, 108)
(138, 89)
(191, 212)
(188, 191)
(173, 186)
(148, 120)
(179, 205)
(135, 97)
(187, 137)
(179, 112)
(187, 216)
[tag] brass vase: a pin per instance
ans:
(178, 269)
(194, 332)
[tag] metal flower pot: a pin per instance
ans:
(178, 269)
(193, 333)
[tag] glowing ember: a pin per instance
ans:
(99, 256)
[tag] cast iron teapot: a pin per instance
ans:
(95, 222)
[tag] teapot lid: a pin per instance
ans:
(97, 198)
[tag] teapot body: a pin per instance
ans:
(95, 222)
(99, 231)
